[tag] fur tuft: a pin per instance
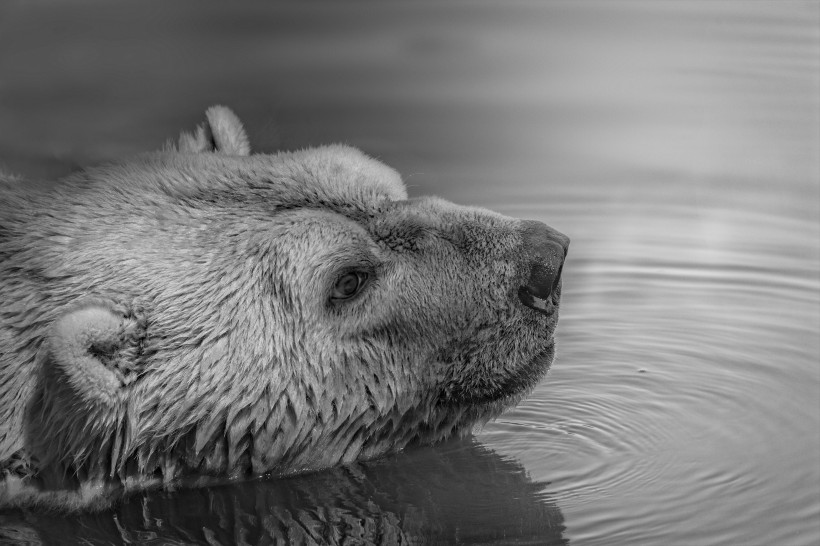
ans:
(227, 132)
(222, 133)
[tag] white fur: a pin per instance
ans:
(187, 299)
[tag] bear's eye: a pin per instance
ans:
(348, 285)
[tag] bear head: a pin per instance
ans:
(205, 311)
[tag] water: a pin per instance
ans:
(678, 144)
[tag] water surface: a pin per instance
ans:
(676, 143)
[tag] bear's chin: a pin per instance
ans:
(494, 395)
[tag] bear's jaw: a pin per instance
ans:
(418, 422)
(494, 394)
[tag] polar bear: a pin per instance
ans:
(203, 312)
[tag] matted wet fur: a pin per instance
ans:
(202, 312)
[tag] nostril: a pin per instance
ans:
(545, 270)
(544, 252)
(556, 281)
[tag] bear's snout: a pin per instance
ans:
(544, 250)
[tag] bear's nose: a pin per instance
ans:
(545, 250)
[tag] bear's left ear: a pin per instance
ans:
(222, 133)
(94, 348)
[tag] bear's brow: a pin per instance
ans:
(400, 228)
(273, 203)
(398, 225)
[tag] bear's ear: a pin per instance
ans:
(94, 349)
(223, 133)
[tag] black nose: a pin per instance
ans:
(544, 250)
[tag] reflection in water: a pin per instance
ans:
(460, 492)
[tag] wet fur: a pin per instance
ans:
(168, 319)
